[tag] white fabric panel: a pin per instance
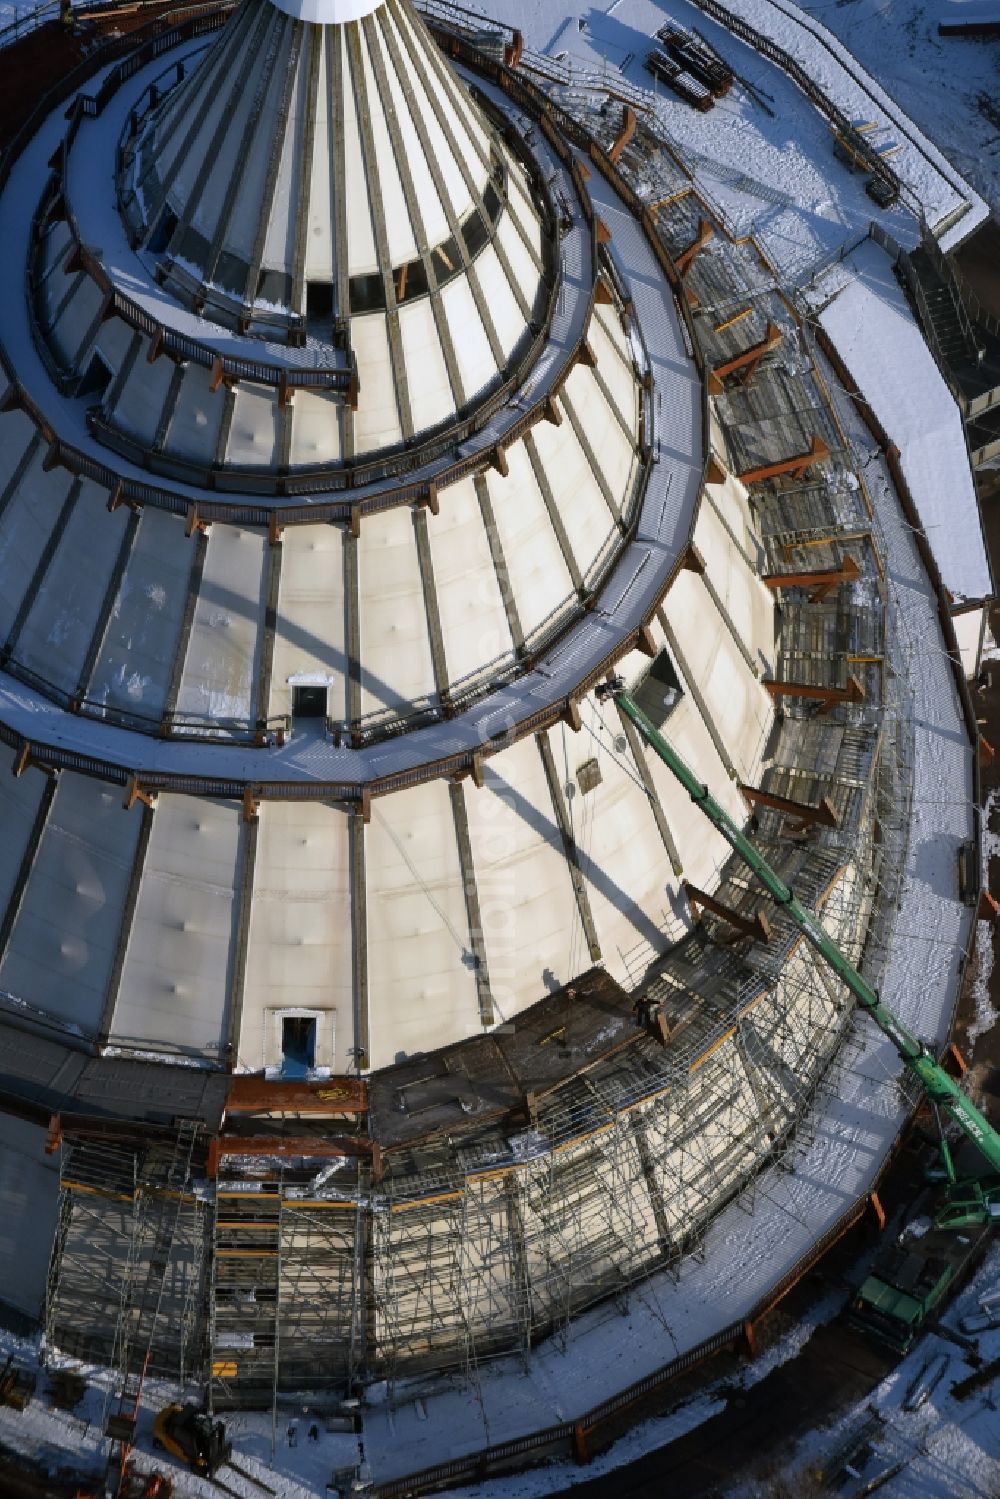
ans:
(63, 944)
(376, 423)
(19, 802)
(29, 1203)
(422, 986)
(616, 372)
(310, 630)
(395, 649)
(140, 405)
(612, 449)
(472, 348)
(194, 426)
(220, 667)
(463, 123)
(279, 242)
(507, 318)
(522, 208)
(750, 606)
(114, 340)
(253, 436)
(531, 923)
(579, 501)
(17, 431)
(319, 230)
(539, 578)
(76, 318)
(431, 399)
(741, 709)
(226, 157)
(56, 636)
(470, 604)
(315, 429)
(398, 228)
(732, 502)
(175, 985)
(447, 164)
(28, 522)
(435, 220)
(168, 142)
(360, 229)
(300, 946)
(521, 263)
(134, 668)
(55, 246)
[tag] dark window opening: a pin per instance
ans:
(232, 273)
(492, 202)
(659, 691)
(411, 281)
(319, 301)
(163, 231)
(367, 293)
(96, 380)
(193, 247)
(447, 260)
(298, 1045)
(274, 287)
(476, 234)
(309, 702)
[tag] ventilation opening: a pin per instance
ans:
(319, 309)
(659, 691)
(96, 380)
(309, 702)
(298, 1045)
(162, 232)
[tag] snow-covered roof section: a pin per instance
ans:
(879, 340)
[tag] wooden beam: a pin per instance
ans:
(514, 50)
(797, 466)
(824, 816)
(748, 361)
(686, 258)
(604, 235)
(854, 692)
(715, 471)
(647, 642)
(194, 522)
(822, 582)
(756, 927)
(625, 134)
(571, 716)
(136, 793)
(602, 293)
(553, 412)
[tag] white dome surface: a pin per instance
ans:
(327, 12)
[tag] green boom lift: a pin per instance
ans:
(970, 1202)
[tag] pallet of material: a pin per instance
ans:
(683, 84)
(694, 55)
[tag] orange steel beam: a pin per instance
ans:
(829, 697)
(824, 815)
(685, 259)
(756, 927)
(625, 134)
(514, 50)
(748, 361)
(797, 466)
(823, 582)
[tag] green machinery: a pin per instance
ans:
(970, 1202)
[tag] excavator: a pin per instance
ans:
(193, 1437)
(908, 1284)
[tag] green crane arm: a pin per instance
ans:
(941, 1089)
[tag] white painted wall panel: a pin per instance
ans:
(310, 629)
(395, 648)
(581, 505)
(610, 445)
(538, 574)
(319, 231)
(300, 948)
(399, 229)
(748, 603)
(29, 1201)
(360, 231)
(19, 802)
(253, 436)
(968, 629)
(139, 407)
(521, 263)
(315, 430)
(473, 618)
(56, 636)
(63, 944)
(431, 398)
(376, 423)
(28, 521)
(475, 357)
(220, 667)
(508, 320)
(531, 923)
(134, 667)
(76, 318)
(421, 980)
(17, 431)
(194, 427)
(175, 985)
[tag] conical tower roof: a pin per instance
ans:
(338, 179)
